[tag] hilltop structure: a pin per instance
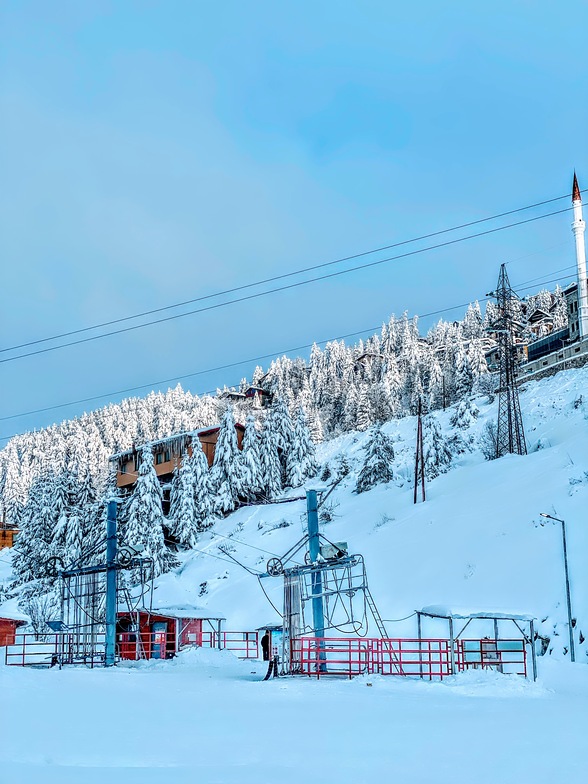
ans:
(543, 344)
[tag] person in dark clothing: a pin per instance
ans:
(265, 644)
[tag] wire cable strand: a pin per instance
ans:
(250, 360)
(283, 276)
(287, 287)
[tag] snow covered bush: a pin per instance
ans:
(488, 440)
(465, 415)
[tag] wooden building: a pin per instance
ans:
(162, 632)
(167, 454)
(8, 627)
(11, 619)
(8, 534)
(259, 396)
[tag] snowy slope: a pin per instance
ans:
(476, 543)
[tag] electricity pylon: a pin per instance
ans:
(510, 435)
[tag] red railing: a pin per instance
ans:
(162, 645)
(351, 656)
(131, 646)
(29, 650)
(425, 658)
(146, 645)
(51, 649)
(245, 645)
(343, 656)
(428, 658)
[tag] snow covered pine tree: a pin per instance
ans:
(377, 464)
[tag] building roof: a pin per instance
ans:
(10, 611)
(188, 611)
(576, 195)
(180, 438)
(442, 611)
(178, 611)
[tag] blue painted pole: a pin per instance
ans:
(110, 648)
(318, 616)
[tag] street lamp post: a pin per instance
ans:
(568, 597)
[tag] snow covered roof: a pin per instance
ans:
(178, 611)
(178, 438)
(188, 611)
(442, 611)
(10, 611)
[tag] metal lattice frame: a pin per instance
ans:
(510, 435)
(84, 616)
(342, 581)
(83, 607)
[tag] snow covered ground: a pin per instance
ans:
(207, 717)
(476, 544)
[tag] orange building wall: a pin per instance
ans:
(7, 536)
(208, 443)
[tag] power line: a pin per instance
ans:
(281, 277)
(520, 287)
(283, 288)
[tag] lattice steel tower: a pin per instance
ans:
(510, 435)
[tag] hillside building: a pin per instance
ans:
(540, 343)
(167, 455)
(567, 346)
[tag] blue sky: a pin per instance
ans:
(153, 152)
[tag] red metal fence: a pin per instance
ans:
(28, 649)
(245, 645)
(50, 649)
(312, 656)
(425, 658)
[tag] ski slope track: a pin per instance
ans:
(476, 544)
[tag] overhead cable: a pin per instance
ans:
(287, 287)
(283, 276)
(250, 360)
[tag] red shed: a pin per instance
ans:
(161, 632)
(8, 627)
(10, 620)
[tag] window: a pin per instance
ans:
(576, 350)
(166, 457)
(123, 468)
(159, 458)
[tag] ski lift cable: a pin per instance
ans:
(246, 544)
(397, 620)
(212, 555)
(267, 597)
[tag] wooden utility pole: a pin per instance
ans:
(419, 465)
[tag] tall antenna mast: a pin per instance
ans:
(510, 436)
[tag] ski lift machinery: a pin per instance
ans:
(331, 579)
